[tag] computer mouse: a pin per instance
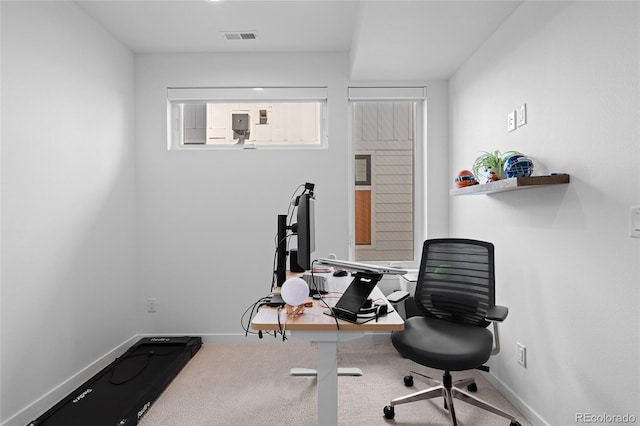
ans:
(340, 273)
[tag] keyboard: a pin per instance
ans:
(317, 284)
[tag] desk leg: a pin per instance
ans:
(327, 384)
(327, 373)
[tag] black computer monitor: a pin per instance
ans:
(305, 230)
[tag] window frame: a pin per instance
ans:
(177, 97)
(380, 94)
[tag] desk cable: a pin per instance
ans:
(322, 298)
(254, 308)
(275, 259)
(282, 327)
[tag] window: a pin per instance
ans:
(386, 142)
(246, 117)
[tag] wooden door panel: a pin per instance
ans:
(363, 217)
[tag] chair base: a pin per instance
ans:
(449, 390)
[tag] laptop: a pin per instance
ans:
(361, 267)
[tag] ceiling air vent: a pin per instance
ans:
(240, 35)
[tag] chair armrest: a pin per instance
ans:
(397, 296)
(497, 313)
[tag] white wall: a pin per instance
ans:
(68, 222)
(436, 176)
(566, 266)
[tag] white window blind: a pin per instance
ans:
(387, 93)
(246, 94)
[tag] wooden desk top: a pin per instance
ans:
(314, 318)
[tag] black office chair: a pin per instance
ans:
(455, 295)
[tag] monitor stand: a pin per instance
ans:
(281, 252)
(309, 372)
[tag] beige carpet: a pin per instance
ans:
(249, 384)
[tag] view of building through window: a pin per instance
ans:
(264, 123)
(384, 146)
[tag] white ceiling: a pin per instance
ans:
(387, 40)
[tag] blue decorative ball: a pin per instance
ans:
(518, 166)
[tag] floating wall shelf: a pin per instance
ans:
(511, 184)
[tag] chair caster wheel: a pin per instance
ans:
(408, 381)
(515, 423)
(474, 388)
(389, 412)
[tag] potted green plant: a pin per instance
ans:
(490, 165)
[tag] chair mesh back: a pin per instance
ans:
(456, 280)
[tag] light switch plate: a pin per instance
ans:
(522, 115)
(511, 121)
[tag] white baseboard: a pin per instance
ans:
(528, 412)
(48, 400)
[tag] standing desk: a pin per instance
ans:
(314, 326)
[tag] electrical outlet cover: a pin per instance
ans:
(522, 355)
(151, 305)
(634, 223)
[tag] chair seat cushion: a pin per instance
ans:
(442, 344)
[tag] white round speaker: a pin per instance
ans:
(295, 291)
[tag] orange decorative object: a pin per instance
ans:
(465, 178)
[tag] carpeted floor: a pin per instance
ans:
(248, 384)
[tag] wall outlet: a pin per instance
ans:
(634, 222)
(151, 304)
(522, 115)
(511, 121)
(521, 354)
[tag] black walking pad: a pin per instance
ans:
(121, 393)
